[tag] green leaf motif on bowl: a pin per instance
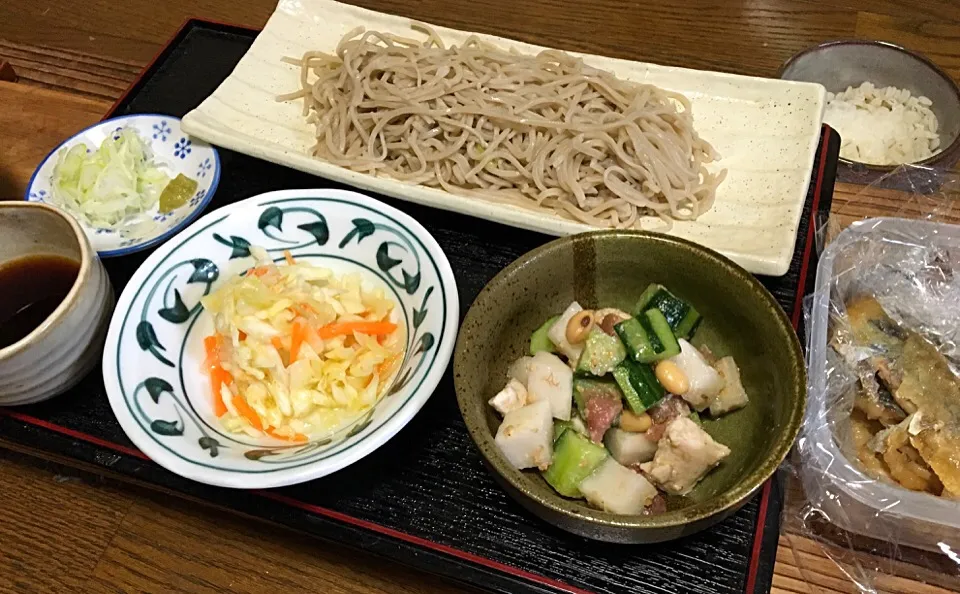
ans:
(172, 402)
(156, 386)
(176, 313)
(148, 341)
(240, 247)
(211, 444)
(168, 428)
(272, 218)
(361, 228)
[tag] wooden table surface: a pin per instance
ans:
(74, 59)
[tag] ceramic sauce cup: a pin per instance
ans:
(65, 344)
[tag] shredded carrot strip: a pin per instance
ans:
(246, 412)
(347, 328)
(276, 342)
(296, 436)
(243, 335)
(258, 271)
(218, 376)
(289, 257)
(298, 334)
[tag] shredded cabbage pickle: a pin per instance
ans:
(297, 350)
(105, 186)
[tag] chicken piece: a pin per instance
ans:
(705, 382)
(550, 379)
(510, 398)
(630, 448)
(615, 488)
(732, 396)
(525, 437)
(684, 455)
(558, 335)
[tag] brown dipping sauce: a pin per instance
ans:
(30, 289)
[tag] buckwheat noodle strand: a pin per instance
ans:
(543, 131)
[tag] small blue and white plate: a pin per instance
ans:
(173, 150)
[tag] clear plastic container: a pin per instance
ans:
(856, 262)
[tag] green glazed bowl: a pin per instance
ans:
(611, 269)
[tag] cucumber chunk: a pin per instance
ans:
(574, 424)
(601, 353)
(682, 316)
(658, 322)
(540, 341)
(574, 458)
(639, 385)
(639, 343)
(648, 337)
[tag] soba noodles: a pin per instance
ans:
(475, 120)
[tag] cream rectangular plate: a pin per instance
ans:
(766, 131)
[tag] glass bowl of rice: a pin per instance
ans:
(890, 106)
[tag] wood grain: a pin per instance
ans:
(53, 531)
(937, 39)
(73, 58)
(33, 121)
(96, 76)
(122, 539)
(766, 32)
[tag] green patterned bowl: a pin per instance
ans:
(154, 349)
(611, 269)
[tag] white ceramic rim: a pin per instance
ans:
(321, 468)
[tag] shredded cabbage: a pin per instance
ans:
(307, 351)
(105, 186)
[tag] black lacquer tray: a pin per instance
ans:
(427, 500)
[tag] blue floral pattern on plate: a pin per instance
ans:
(204, 168)
(182, 148)
(161, 131)
(175, 151)
(196, 199)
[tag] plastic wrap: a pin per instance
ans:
(883, 353)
